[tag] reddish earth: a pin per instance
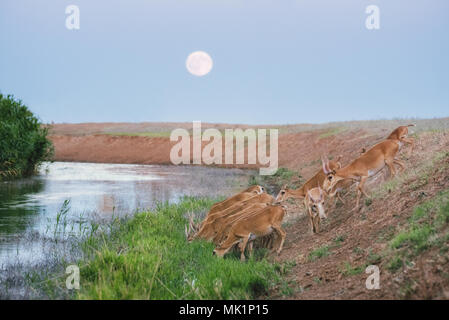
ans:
(296, 150)
(111, 149)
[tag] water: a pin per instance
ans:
(29, 207)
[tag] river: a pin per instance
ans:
(32, 210)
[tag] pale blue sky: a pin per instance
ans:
(289, 61)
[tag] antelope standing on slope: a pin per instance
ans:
(367, 165)
(314, 202)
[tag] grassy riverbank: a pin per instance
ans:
(148, 257)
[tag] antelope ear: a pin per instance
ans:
(338, 161)
(186, 232)
(325, 164)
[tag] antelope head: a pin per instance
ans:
(316, 197)
(331, 175)
(283, 194)
(256, 189)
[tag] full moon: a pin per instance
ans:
(199, 63)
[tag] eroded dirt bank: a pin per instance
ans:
(300, 151)
(111, 149)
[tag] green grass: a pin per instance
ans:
(395, 264)
(417, 237)
(348, 270)
(148, 257)
(426, 228)
(339, 240)
(319, 253)
(325, 250)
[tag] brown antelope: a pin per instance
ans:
(365, 166)
(246, 194)
(222, 205)
(314, 202)
(401, 134)
(213, 228)
(226, 223)
(316, 181)
(263, 223)
(212, 223)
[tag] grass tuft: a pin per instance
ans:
(319, 253)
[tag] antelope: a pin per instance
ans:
(365, 166)
(316, 181)
(246, 194)
(400, 134)
(265, 222)
(314, 202)
(215, 228)
(211, 224)
(229, 221)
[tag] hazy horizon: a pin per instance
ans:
(405, 119)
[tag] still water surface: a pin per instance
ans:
(29, 207)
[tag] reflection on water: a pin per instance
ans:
(30, 206)
(15, 214)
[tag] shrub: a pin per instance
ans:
(23, 140)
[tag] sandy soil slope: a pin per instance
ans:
(362, 237)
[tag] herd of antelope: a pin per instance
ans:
(253, 215)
